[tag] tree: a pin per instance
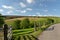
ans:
(0, 14)
(1, 21)
(17, 24)
(25, 23)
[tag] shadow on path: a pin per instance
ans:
(50, 29)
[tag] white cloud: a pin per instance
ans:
(29, 15)
(1, 10)
(38, 14)
(24, 11)
(44, 15)
(48, 15)
(33, 15)
(9, 12)
(7, 7)
(30, 1)
(22, 4)
(29, 9)
(21, 11)
(45, 10)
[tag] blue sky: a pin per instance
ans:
(30, 7)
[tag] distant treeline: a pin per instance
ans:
(11, 17)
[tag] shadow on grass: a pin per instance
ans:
(35, 37)
(29, 37)
(24, 38)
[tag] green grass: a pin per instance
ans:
(23, 31)
(32, 36)
(36, 33)
(26, 34)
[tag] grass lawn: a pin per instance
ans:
(23, 31)
(26, 34)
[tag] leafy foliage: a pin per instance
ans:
(1, 21)
(49, 21)
(17, 24)
(25, 23)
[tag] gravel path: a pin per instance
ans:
(52, 33)
(1, 35)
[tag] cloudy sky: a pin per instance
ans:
(30, 7)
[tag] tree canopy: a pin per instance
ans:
(1, 21)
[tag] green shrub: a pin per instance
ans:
(25, 23)
(1, 21)
(17, 24)
(32, 24)
(49, 21)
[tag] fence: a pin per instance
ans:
(6, 32)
